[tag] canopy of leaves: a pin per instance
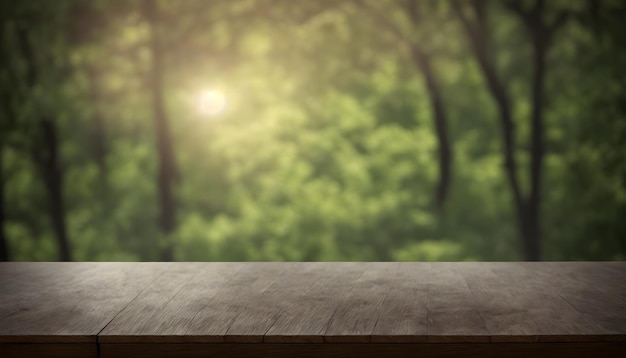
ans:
(326, 149)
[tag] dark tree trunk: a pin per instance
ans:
(53, 178)
(167, 167)
(477, 34)
(4, 129)
(541, 33)
(528, 209)
(423, 64)
(48, 161)
(533, 251)
(4, 247)
(440, 120)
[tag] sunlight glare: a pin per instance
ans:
(211, 103)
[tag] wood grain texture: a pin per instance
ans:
(66, 302)
(355, 317)
(296, 297)
(196, 305)
(596, 291)
(240, 297)
(504, 313)
(403, 316)
(183, 295)
(305, 317)
(545, 293)
(366, 350)
(454, 313)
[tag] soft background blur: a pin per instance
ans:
(378, 130)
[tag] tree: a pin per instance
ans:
(4, 246)
(332, 144)
(6, 111)
(541, 34)
(46, 156)
(167, 162)
(421, 58)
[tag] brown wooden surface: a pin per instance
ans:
(402, 320)
(67, 302)
(133, 305)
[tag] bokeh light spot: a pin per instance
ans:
(211, 103)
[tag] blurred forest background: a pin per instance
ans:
(335, 130)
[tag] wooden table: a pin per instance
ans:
(312, 309)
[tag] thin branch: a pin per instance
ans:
(477, 38)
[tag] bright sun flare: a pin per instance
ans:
(211, 103)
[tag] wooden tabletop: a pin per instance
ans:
(312, 303)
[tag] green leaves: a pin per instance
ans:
(326, 149)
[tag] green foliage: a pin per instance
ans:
(326, 150)
(428, 250)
